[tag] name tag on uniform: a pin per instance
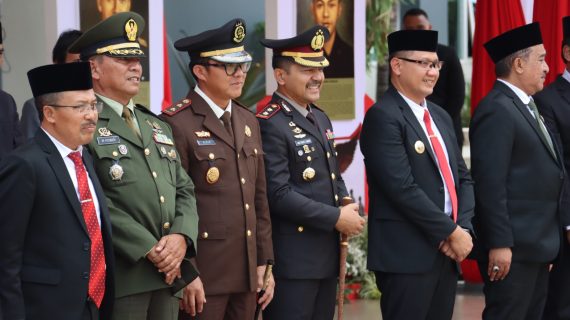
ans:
(303, 141)
(206, 142)
(108, 140)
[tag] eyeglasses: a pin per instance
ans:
(231, 68)
(425, 64)
(84, 108)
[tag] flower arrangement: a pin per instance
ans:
(356, 266)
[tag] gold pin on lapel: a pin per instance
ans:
(420, 147)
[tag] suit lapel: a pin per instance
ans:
(301, 121)
(145, 126)
(118, 126)
(211, 122)
(60, 171)
(526, 113)
(410, 117)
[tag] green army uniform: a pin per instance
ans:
(148, 192)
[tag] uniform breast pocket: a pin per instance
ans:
(169, 163)
(114, 165)
(211, 165)
(253, 153)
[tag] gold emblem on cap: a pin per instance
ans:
(131, 29)
(212, 175)
(420, 147)
(309, 174)
(247, 131)
(318, 40)
(239, 32)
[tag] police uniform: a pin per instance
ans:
(148, 192)
(234, 229)
(304, 187)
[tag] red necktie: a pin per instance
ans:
(443, 165)
(97, 276)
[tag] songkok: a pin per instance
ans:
(513, 40)
(412, 40)
(566, 26)
(51, 78)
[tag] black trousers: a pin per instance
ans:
(558, 297)
(295, 299)
(520, 296)
(429, 296)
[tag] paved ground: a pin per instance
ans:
(469, 304)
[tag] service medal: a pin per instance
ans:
(309, 174)
(420, 147)
(116, 172)
(123, 149)
(212, 175)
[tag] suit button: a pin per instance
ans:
(336, 153)
(85, 275)
(154, 174)
(242, 180)
(336, 197)
(161, 199)
(147, 152)
(300, 228)
(115, 153)
(333, 176)
(205, 235)
(166, 225)
(309, 158)
(86, 246)
(255, 151)
(246, 206)
(211, 156)
(441, 189)
(238, 155)
(249, 233)
(328, 154)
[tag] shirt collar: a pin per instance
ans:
(117, 106)
(521, 94)
(302, 110)
(566, 75)
(61, 148)
(217, 110)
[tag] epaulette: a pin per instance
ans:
(177, 107)
(269, 111)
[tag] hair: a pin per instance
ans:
(565, 42)
(415, 12)
(44, 100)
(503, 67)
(280, 62)
(63, 43)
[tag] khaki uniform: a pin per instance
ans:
(148, 193)
(234, 228)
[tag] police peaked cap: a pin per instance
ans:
(305, 49)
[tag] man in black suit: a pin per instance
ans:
(554, 105)
(518, 175)
(10, 136)
(304, 186)
(57, 258)
(449, 91)
(420, 192)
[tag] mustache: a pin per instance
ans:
(314, 82)
(89, 123)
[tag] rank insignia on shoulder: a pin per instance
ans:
(202, 134)
(177, 107)
(269, 111)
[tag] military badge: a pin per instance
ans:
(202, 134)
(300, 136)
(163, 150)
(420, 147)
(285, 107)
(309, 174)
(300, 152)
(239, 32)
(162, 139)
(247, 131)
(123, 149)
(104, 132)
(156, 125)
(131, 29)
(329, 134)
(297, 130)
(116, 172)
(212, 175)
(306, 149)
(292, 124)
(318, 40)
(172, 154)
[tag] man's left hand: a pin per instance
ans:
(268, 295)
